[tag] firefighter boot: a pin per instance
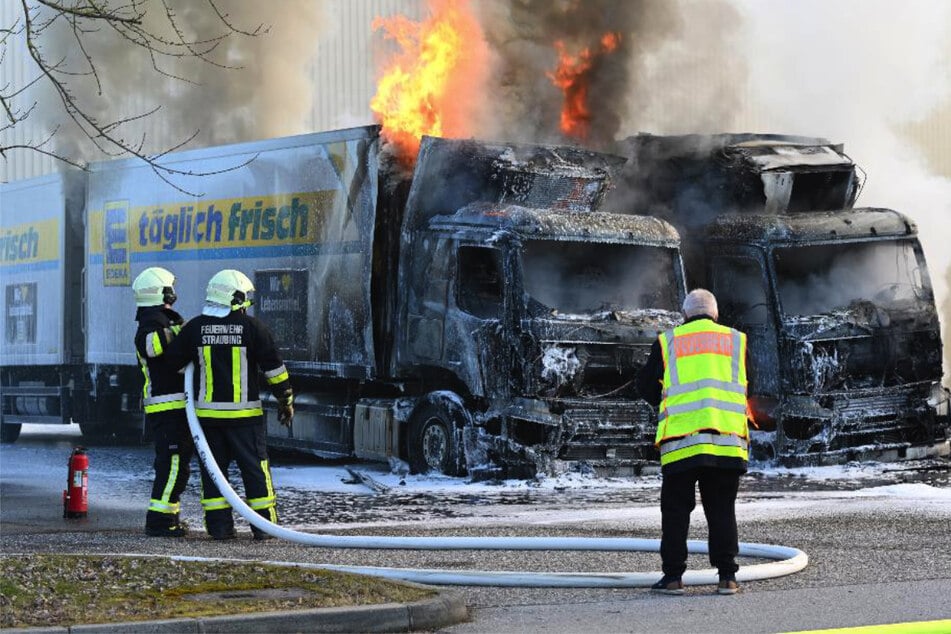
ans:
(220, 524)
(164, 525)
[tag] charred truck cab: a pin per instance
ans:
(526, 313)
(836, 301)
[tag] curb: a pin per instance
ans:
(447, 608)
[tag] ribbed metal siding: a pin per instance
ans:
(15, 71)
(344, 72)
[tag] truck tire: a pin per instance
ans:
(9, 432)
(433, 445)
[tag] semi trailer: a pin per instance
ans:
(479, 315)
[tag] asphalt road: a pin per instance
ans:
(879, 545)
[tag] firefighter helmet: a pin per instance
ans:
(154, 287)
(228, 290)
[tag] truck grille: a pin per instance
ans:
(623, 432)
(877, 417)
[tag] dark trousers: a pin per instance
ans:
(718, 489)
(174, 449)
(245, 444)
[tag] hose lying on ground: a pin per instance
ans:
(789, 560)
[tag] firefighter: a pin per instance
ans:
(164, 399)
(228, 347)
(697, 373)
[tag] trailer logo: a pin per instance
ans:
(115, 265)
(21, 313)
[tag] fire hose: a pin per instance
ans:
(787, 560)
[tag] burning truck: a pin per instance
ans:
(481, 315)
(836, 301)
(487, 314)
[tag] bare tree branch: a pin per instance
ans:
(86, 22)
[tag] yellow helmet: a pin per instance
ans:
(154, 287)
(228, 290)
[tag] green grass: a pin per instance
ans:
(64, 590)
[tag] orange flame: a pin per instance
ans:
(571, 76)
(423, 88)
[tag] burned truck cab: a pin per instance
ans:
(842, 328)
(836, 301)
(531, 322)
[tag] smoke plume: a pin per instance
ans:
(251, 86)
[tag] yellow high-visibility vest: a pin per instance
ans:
(703, 407)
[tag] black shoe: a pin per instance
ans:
(175, 530)
(261, 536)
(668, 585)
(223, 534)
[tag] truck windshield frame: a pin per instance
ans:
(815, 279)
(580, 278)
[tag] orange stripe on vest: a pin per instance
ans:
(703, 343)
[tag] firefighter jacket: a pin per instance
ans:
(703, 408)
(164, 387)
(227, 353)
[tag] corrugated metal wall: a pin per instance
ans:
(344, 81)
(343, 75)
(15, 70)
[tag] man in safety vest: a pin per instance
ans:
(228, 347)
(697, 373)
(164, 399)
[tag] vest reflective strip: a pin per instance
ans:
(683, 388)
(207, 381)
(277, 375)
(722, 440)
(214, 504)
(671, 359)
(153, 345)
(673, 410)
(735, 358)
(725, 451)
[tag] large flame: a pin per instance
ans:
(429, 86)
(571, 76)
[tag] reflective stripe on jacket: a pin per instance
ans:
(163, 387)
(228, 352)
(703, 407)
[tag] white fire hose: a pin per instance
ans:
(788, 560)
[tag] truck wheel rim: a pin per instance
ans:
(435, 444)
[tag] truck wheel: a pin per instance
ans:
(433, 444)
(9, 432)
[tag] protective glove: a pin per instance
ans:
(285, 408)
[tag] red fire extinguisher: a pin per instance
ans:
(75, 501)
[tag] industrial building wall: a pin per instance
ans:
(340, 61)
(342, 71)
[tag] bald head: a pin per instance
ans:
(700, 301)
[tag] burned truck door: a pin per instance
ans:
(479, 323)
(743, 294)
(425, 315)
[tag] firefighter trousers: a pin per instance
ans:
(174, 449)
(246, 444)
(718, 488)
